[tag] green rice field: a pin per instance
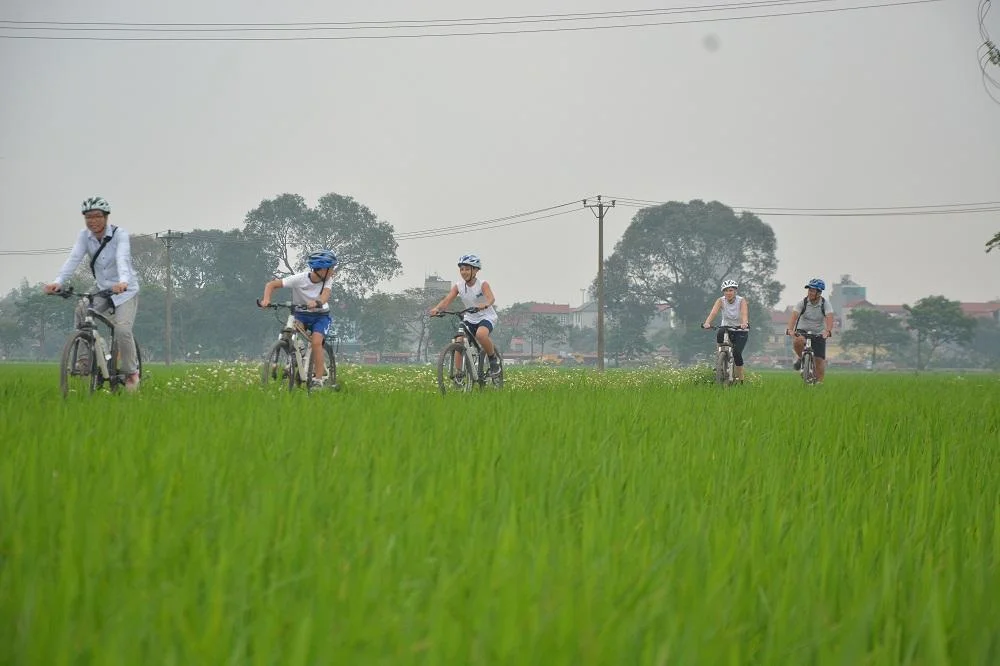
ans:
(573, 518)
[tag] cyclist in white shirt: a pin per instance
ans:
(310, 290)
(735, 313)
(110, 255)
(475, 293)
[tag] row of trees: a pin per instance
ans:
(934, 324)
(675, 253)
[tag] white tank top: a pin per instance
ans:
(473, 297)
(731, 311)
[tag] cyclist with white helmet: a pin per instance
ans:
(475, 293)
(812, 318)
(110, 254)
(310, 290)
(735, 314)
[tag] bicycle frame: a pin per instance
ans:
(473, 350)
(807, 350)
(726, 347)
(102, 351)
(300, 339)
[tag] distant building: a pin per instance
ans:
(434, 285)
(844, 292)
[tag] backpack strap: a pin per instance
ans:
(822, 305)
(104, 243)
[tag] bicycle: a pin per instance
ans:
(724, 360)
(474, 360)
(290, 359)
(87, 358)
(808, 359)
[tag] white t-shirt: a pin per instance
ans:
(473, 297)
(304, 289)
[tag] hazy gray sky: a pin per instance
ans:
(878, 107)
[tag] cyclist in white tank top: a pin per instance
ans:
(474, 293)
(735, 314)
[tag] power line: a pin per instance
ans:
(567, 208)
(873, 211)
(402, 24)
(395, 23)
(477, 33)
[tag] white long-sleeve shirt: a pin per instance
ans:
(113, 265)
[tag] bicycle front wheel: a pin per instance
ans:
(808, 369)
(721, 368)
(279, 366)
(451, 376)
(78, 366)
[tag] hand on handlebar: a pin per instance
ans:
(263, 302)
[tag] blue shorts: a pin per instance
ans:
(315, 323)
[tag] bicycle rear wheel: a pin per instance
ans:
(497, 380)
(279, 366)
(449, 377)
(78, 366)
(330, 365)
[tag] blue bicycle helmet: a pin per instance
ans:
(817, 284)
(322, 259)
(470, 260)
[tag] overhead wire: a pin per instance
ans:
(475, 33)
(558, 210)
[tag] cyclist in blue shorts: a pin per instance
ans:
(310, 289)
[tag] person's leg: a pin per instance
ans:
(124, 319)
(819, 350)
(486, 342)
(798, 344)
(739, 343)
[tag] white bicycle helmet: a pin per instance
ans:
(730, 283)
(95, 203)
(470, 260)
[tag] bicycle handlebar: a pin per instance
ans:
(288, 305)
(69, 292)
(731, 328)
(457, 313)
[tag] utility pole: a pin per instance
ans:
(601, 207)
(167, 239)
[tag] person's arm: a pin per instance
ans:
(76, 255)
(446, 301)
(276, 283)
(829, 325)
(488, 293)
(123, 258)
(791, 322)
(744, 314)
(712, 313)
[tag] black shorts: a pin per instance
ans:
(474, 327)
(818, 343)
(739, 340)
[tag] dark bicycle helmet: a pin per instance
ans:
(322, 259)
(817, 284)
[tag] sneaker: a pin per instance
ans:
(82, 366)
(798, 364)
(494, 366)
(318, 383)
(459, 378)
(132, 382)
